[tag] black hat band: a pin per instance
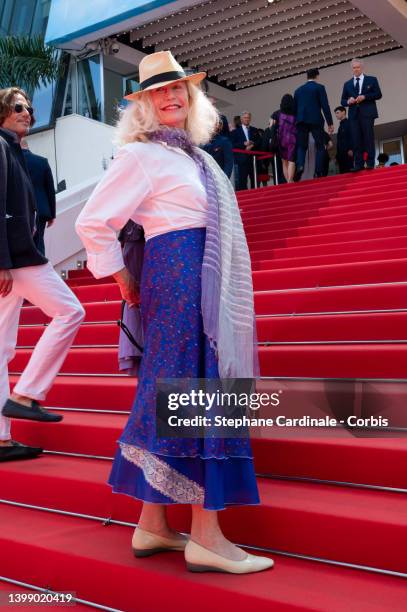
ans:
(162, 78)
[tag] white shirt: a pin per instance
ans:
(361, 77)
(246, 131)
(156, 186)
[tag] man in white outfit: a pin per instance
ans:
(26, 274)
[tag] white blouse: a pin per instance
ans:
(156, 186)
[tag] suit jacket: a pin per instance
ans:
(344, 141)
(367, 108)
(311, 101)
(43, 183)
(239, 138)
(17, 207)
(220, 148)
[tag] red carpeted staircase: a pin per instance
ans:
(330, 276)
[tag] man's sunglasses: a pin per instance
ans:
(18, 108)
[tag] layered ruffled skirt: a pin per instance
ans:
(213, 472)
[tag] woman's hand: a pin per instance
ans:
(6, 282)
(129, 288)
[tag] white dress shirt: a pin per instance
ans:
(246, 131)
(156, 186)
(361, 77)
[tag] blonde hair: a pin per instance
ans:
(139, 119)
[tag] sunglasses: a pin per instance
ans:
(18, 108)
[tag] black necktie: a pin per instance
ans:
(357, 85)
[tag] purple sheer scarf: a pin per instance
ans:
(227, 301)
(227, 291)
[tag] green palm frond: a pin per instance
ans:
(27, 62)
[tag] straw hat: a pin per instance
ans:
(160, 69)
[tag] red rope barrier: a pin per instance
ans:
(259, 154)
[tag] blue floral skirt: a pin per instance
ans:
(207, 471)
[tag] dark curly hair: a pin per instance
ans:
(7, 100)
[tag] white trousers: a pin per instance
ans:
(44, 288)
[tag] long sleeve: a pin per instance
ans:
(5, 258)
(113, 202)
(345, 96)
(375, 93)
(50, 189)
(325, 106)
(237, 140)
(297, 106)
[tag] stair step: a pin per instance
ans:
(266, 230)
(95, 311)
(98, 293)
(79, 282)
(78, 545)
(93, 360)
(329, 248)
(327, 259)
(323, 328)
(339, 456)
(360, 297)
(375, 326)
(380, 233)
(329, 204)
(388, 271)
(79, 273)
(335, 361)
(278, 197)
(332, 299)
(95, 392)
(86, 433)
(293, 517)
(335, 203)
(336, 182)
(96, 334)
(315, 189)
(342, 361)
(315, 220)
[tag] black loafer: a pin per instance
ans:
(16, 410)
(18, 451)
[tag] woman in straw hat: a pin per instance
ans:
(196, 303)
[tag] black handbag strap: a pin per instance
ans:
(126, 330)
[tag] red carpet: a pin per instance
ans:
(95, 560)
(330, 276)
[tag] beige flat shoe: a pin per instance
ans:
(201, 559)
(145, 543)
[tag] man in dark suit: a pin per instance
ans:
(43, 183)
(311, 101)
(344, 144)
(360, 94)
(245, 137)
